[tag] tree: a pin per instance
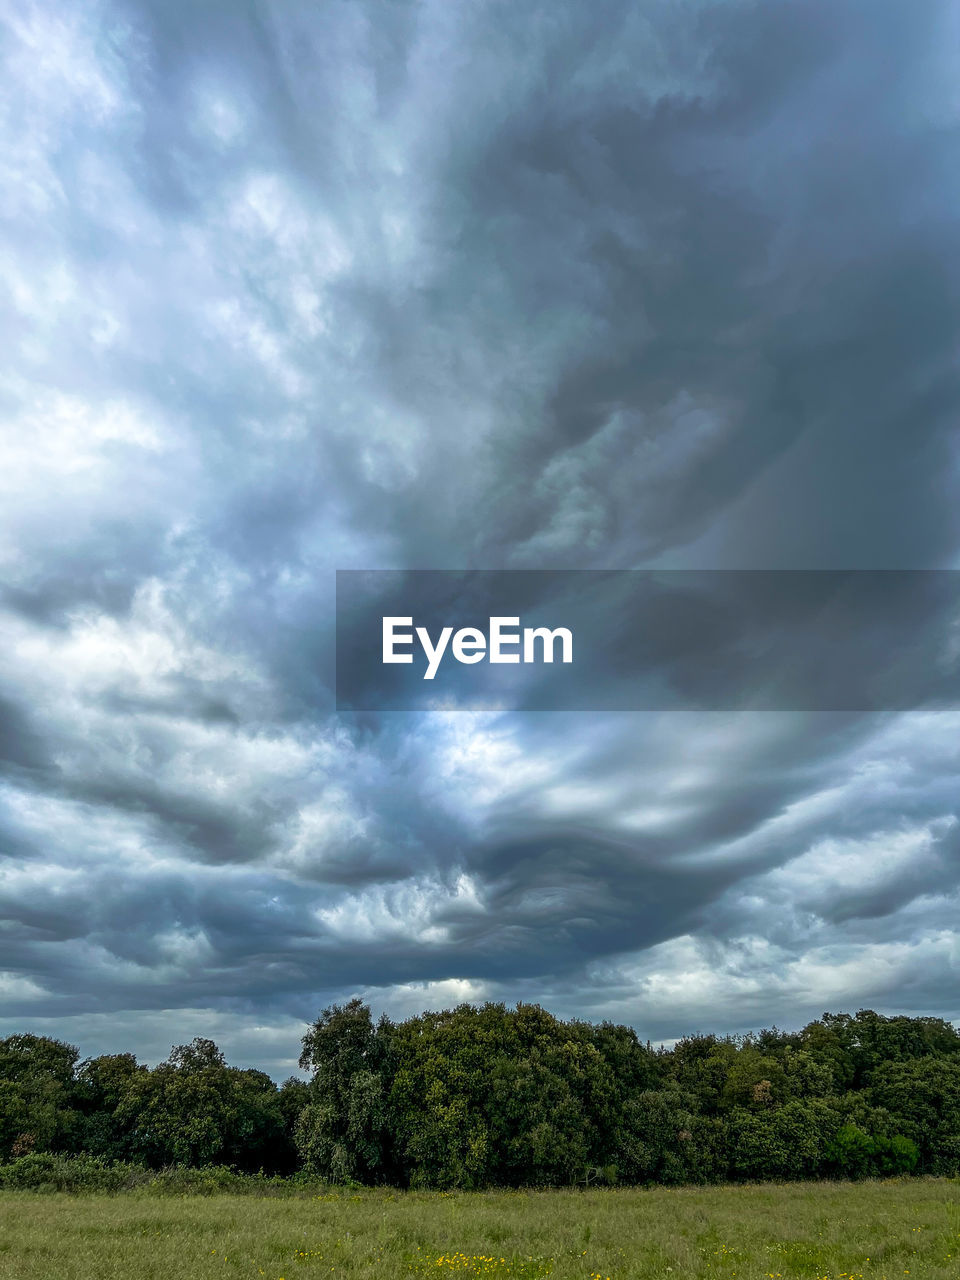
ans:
(491, 1096)
(786, 1142)
(923, 1096)
(754, 1081)
(341, 1131)
(100, 1087)
(661, 1137)
(293, 1096)
(855, 1154)
(863, 1042)
(194, 1110)
(36, 1087)
(700, 1065)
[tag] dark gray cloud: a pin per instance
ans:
(288, 289)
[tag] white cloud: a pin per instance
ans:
(420, 911)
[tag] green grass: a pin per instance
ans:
(878, 1231)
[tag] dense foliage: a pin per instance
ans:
(489, 1096)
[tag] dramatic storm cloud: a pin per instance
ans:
(288, 288)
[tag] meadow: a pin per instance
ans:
(819, 1231)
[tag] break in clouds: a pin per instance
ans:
(292, 288)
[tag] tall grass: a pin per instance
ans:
(907, 1230)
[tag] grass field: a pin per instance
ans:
(886, 1231)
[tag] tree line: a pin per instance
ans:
(490, 1096)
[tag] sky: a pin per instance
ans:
(287, 288)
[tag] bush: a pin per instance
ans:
(895, 1155)
(206, 1181)
(41, 1171)
(855, 1154)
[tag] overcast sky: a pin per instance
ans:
(294, 287)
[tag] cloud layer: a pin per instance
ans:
(288, 289)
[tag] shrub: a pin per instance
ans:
(855, 1154)
(42, 1171)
